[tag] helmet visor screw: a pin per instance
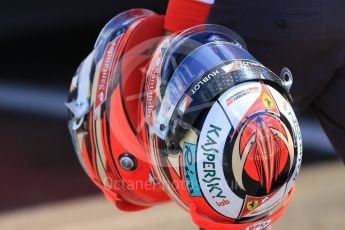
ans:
(127, 162)
(162, 127)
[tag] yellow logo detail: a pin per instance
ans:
(252, 204)
(268, 101)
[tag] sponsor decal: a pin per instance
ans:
(223, 202)
(240, 94)
(151, 84)
(234, 68)
(106, 69)
(189, 169)
(241, 64)
(261, 225)
(218, 192)
(266, 207)
(204, 80)
(230, 67)
(252, 205)
(240, 99)
(268, 101)
(210, 176)
(248, 63)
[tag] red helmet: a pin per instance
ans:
(191, 116)
(106, 111)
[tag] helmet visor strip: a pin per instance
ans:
(215, 67)
(191, 68)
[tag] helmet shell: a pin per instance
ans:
(104, 123)
(223, 137)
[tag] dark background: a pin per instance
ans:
(42, 43)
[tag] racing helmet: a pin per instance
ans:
(105, 112)
(191, 117)
(223, 138)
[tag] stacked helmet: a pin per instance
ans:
(192, 117)
(105, 111)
